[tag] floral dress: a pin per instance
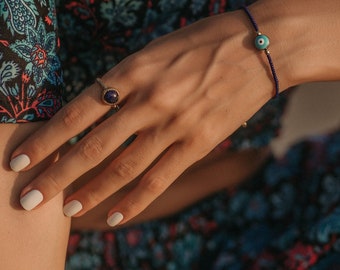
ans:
(287, 216)
(30, 69)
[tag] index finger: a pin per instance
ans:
(72, 119)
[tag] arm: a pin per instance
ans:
(295, 29)
(211, 74)
(36, 239)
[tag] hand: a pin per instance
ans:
(181, 95)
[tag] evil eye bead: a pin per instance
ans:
(261, 42)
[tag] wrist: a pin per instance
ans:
(303, 45)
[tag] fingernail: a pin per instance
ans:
(72, 208)
(31, 199)
(20, 162)
(115, 219)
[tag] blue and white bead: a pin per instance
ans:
(261, 42)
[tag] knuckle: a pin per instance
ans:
(138, 60)
(207, 137)
(134, 68)
(37, 147)
(71, 116)
(202, 144)
(131, 207)
(124, 169)
(144, 58)
(155, 184)
(91, 149)
(53, 182)
(92, 198)
(160, 103)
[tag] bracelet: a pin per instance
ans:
(262, 43)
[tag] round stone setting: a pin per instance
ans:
(110, 96)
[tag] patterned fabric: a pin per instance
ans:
(285, 217)
(30, 71)
(114, 29)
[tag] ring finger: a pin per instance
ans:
(125, 168)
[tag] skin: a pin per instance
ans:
(219, 171)
(212, 80)
(40, 237)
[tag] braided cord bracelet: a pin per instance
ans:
(262, 43)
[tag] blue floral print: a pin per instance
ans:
(284, 217)
(38, 50)
(30, 70)
(120, 12)
(19, 14)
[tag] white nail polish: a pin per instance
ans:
(20, 162)
(115, 219)
(31, 199)
(72, 208)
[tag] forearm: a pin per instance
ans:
(212, 80)
(36, 239)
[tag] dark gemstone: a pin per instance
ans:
(111, 96)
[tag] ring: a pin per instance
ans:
(110, 96)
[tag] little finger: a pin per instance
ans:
(153, 184)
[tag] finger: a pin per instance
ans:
(129, 164)
(153, 184)
(86, 154)
(67, 123)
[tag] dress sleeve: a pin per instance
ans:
(30, 70)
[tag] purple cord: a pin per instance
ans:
(270, 60)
